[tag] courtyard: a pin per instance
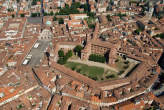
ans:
(94, 72)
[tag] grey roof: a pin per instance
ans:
(34, 20)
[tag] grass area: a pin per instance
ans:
(92, 72)
(122, 65)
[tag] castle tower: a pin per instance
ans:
(151, 10)
(113, 54)
(87, 49)
(42, 14)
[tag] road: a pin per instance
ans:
(38, 53)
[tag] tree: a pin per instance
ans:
(61, 61)
(137, 31)
(61, 53)
(78, 49)
(75, 5)
(35, 14)
(121, 15)
(33, 3)
(18, 1)
(13, 15)
(86, 7)
(109, 18)
(97, 58)
(22, 15)
(91, 26)
(51, 13)
(69, 54)
(61, 21)
(54, 19)
(69, 10)
(91, 14)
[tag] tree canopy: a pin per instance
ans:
(97, 58)
(61, 53)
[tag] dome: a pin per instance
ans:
(48, 22)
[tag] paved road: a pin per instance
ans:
(38, 53)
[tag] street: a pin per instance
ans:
(38, 53)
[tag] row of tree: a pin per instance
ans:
(63, 58)
(160, 36)
(97, 58)
(34, 2)
(73, 9)
(37, 14)
(60, 20)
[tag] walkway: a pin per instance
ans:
(91, 63)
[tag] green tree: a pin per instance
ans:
(69, 54)
(54, 18)
(22, 15)
(35, 14)
(18, 1)
(13, 15)
(61, 61)
(61, 21)
(51, 13)
(137, 31)
(75, 5)
(91, 26)
(78, 49)
(109, 18)
(61, 53)
(97, 58)
(86, 7)
(91, 14)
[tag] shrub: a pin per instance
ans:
(97, 58)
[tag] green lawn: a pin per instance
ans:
(92, 72)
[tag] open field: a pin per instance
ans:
(93, 72)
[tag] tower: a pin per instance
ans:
(42, 14)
